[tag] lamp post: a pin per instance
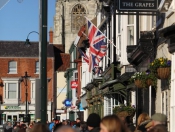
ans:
(25, 80)
(27, 43)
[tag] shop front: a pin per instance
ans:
(15, 113)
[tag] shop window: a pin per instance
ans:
(78, 19)
(12, 67)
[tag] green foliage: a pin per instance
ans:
(159, 63)
(138, 76)
(122, 107)
(144, 76)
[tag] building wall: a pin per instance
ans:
(70, 36)
(23, 65)
(61, 89)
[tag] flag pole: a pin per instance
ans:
(102, 33)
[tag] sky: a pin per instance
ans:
(17, 19)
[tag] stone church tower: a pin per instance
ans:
(69, 18)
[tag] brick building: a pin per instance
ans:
(16, 59)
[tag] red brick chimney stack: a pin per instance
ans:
(51, 36)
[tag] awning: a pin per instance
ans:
(118, 88)
(131, 87)
(109, 83)
(167, 31)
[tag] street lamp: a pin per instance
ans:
(24, 79)
(27, 43)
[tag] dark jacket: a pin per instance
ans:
(96, 129)
(142, 126)
(8, 128)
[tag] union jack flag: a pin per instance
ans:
(83, 54)
(98, 47)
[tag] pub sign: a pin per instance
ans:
(138, 5)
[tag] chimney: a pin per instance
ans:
(51, 36)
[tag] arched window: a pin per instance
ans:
(78, 19)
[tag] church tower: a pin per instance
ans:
(69, 17)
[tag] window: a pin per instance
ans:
(130, 30)
(12, 67)
(37, 67)
(32, 89)
(12, 90)
(78, 19)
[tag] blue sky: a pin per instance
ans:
(18, 19)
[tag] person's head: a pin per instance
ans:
(93, 121)
(112, 123)
(159, 128)
(23, 126)
(65, 129)
(39, 127)
(158, 118)
(78, 120)
(9, 123)
(142, 117)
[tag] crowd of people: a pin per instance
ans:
(110, 123)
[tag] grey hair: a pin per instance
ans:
(65, 129)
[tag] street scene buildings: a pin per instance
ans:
(136, 71)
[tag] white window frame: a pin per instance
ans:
(5, 91)
(9, 67)
(131, 25)
(37, 67)
(32, 88)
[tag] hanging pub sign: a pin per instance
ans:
(74, 84)
(138, 5)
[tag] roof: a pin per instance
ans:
(63, 62)
(18, 49)
(59, 47)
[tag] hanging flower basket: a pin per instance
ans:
(138, 83)
(149, 82)
(124, 111)
(163, 73)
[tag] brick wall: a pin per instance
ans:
(23, 65)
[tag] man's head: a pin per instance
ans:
(54, 120)
(78, 120)
(93, 121)
(157, 119)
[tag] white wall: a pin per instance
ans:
(61, 89)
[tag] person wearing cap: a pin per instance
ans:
(93, 122)
(157, 119)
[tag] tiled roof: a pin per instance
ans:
(63, 62)
(18, 49)
(59, 47)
